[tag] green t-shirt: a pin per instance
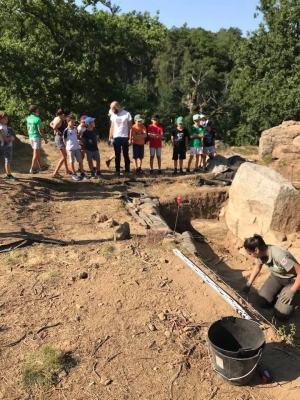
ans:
(196, 142)
(33, 124)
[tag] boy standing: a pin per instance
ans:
(6, 140)
(208, 143)
(137, 136)
(70, 138)
(196, 136)
(35, 133)
(179, 137)
(89, 137)
(155, 133)
(80, 129)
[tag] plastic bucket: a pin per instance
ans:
(235, 346)
(236, 337)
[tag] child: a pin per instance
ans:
(6, 139)
(196, 136)
(70, 138)
(81, 128)
(208, 143)
(179, 137)
(137, 137)
(155, 133)
(89, 138)
(58, 127)
(35, 133)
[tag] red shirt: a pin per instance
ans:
(158, 130)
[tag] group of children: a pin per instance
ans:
(76, 143)
(200, 138)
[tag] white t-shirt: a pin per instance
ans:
(7, 134)
(120, 123)
(70, 135)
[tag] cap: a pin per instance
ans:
(196, 117)
(180, 120)
(155, 116)
(83, 117)
(88, 120)
(138, 118)
(202, 116)
(208, 123)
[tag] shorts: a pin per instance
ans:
(138, 151)
(59, 142)
(36, 143)
(92, 155)
(209, 149)
(155, 151)
(7, 153)
(196, 151)
(179, 152)
(75, 154)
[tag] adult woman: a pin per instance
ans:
(58, 127)
(281, 289)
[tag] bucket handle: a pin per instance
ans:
(240, 377)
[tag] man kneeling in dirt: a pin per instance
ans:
(281, 289)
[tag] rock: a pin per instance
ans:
(164, 261)
(162, 316)
(281, 135)
(217, 164)
(99, 218)
(284, 151)
(152, 327)
(261, 200)
(105, 381)
(123, 232)
(83, 275)
(167, 334)
(79, 306)
(274, 237)
(110, 223)
(220, 145)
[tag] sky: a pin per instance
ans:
(211, 15)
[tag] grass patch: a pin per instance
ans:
(42, 368)
(108, 251)
(267, 159)
(287, 333)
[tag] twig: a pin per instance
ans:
(14, 343)
(101, 344)
(173, 380)
(48, 327)
(214, 393)
(94, 369)
(112, 357)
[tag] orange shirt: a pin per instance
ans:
(138, 130)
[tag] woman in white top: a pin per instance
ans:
(58, 127)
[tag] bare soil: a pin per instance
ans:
(136, 327)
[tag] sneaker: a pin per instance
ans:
(93, 176)
(84, 176)
(33, 171)
(43, 168)
(175, 171)
(10, 178)
(75, 177)
(151, 171)
(181, 172)
(188, 170)
(107, 162)
(159, 172)
(117, 173)
(99, 175)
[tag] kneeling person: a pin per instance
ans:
(70, 139)
(89, 137)
(179, 137)
(281, 289)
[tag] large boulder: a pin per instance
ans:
(281, 141)
(261, 200)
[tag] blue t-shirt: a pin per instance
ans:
(90, 138)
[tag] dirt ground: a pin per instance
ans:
(136, 327)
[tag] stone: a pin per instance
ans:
(261, 200)
(99, 218)
(110, 223)
(279, 136)
(220, 145)
(167, 334)
(83, 275)
(285, 151)
(152, 327)
(274, 237)
(162, 316)
(123, 232)
(217, 164)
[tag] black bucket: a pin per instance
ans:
(235, 346)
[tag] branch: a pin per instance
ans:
(113, 8)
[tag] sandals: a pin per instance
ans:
(58, 176)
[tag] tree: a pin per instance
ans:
(266, 77)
